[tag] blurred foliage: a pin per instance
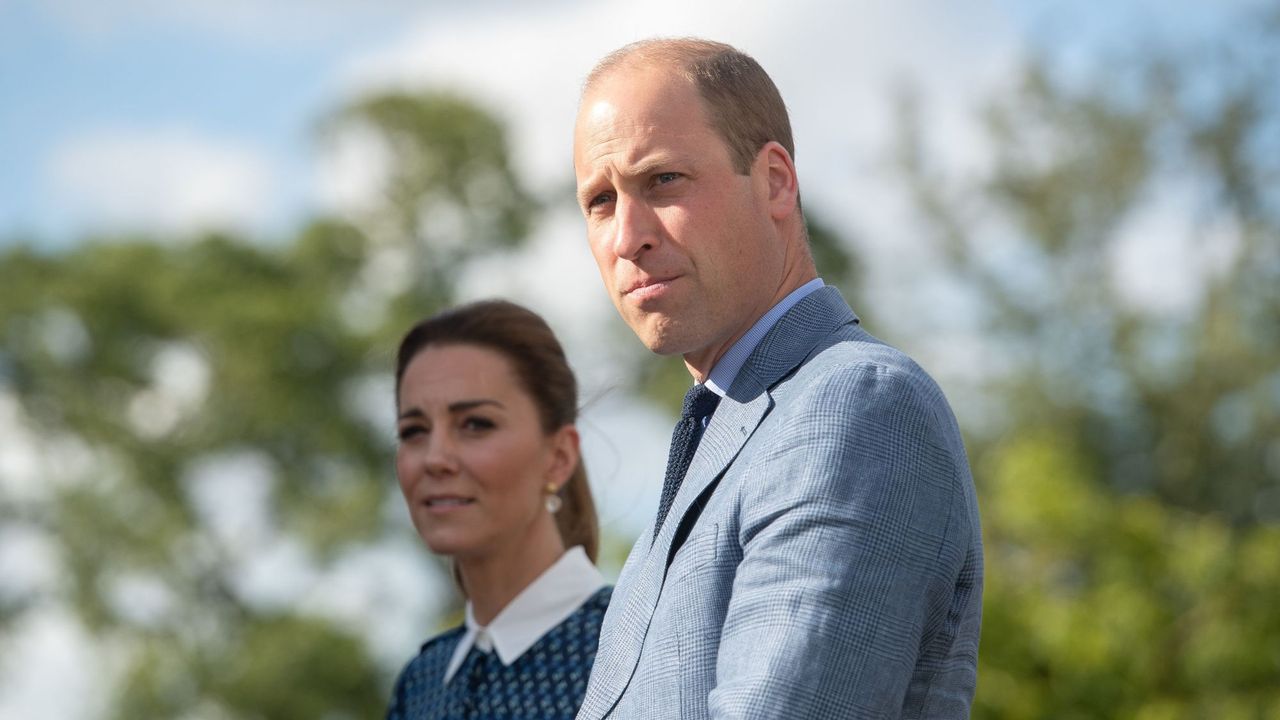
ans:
(144, 368)
(1182, 400)
(1130, 479)
(1100, 605)
(450, 193)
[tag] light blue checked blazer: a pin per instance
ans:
(823, 558)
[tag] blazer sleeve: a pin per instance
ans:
(855, 522)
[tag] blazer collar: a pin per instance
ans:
(796, 336)
(791, 341)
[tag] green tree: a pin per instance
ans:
(137, 364)
(1181, 403)
(1130, 473)
(1100, 605)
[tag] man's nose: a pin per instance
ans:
(635, 227)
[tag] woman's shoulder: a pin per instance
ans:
(585, 621)
(421, 682)
(434, 656)
(599, 601)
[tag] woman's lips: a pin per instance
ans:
(442, 505)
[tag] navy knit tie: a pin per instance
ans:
(699, 403)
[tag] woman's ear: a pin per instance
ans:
(564, 455)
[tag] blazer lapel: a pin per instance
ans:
(791, 340)
(783, 349)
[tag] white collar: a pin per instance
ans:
(545, 603)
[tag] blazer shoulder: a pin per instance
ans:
(852, 357)
(854, 385)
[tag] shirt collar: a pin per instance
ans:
(721, 377)
(545, 603)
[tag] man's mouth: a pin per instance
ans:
(649, 287)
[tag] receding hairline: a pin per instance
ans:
(674, 55)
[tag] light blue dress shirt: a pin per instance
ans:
(726, 369)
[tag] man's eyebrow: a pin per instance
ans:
(587, 192)
(651, 165)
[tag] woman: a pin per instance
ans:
(489, 466)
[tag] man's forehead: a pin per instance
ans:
(597, 112)
(649, 84)
(622, 112)
(638, 147)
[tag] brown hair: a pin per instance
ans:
(744, 106)
(524, 339)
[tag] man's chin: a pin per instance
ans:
(655, 336)
(665, 344)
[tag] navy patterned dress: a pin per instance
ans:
(547, 681)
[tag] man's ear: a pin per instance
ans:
(778, 175)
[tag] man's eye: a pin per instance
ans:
(600, 199)
(664, 178)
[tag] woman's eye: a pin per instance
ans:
(477, 424)
(410, 431)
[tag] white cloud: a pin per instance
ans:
(168, 180)
(832, 61)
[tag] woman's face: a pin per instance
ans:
(473, 460)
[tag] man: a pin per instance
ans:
(821, 554)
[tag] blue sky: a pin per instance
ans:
(235, 87)
(63, 77)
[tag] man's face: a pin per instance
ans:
(685, 245)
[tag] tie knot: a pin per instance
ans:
(699, 402)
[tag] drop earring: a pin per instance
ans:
(553, 499)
